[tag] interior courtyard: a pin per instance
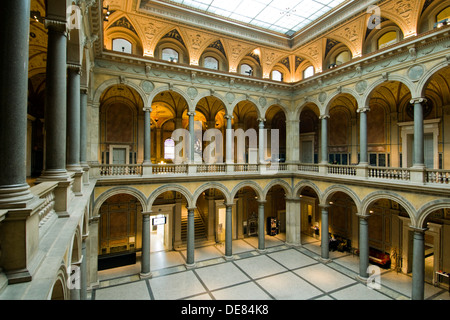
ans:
(175, 150)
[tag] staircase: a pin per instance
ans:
(199, 227)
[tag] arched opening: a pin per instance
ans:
(276, 134)
(309, 216)
(341, 130)
(390, 131)
(309, 134)
(120, 107)
(119, 231)
(169, 113)
(308, 72)
(245, 125)
(275, 215)
(59, 291)
(122, 45)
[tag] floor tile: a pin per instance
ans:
(246, 291)
(292, 259)
(324, 277)
(359, 292)
(260, 266)
(288, 286)
(176, 286)
(221, 275)
(130, 291)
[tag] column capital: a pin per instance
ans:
(418, 229)
(261, 120)
(56, 25)
(363, 216)
(74, 67)
(228, 116)
(324, 116)
(261, 201)
(324, 206)
(149, 109)
(364, 109)
(147, 213)
(418, 100)
(191, 113)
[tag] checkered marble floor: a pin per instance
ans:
(279, 273)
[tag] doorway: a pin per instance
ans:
(159, 235)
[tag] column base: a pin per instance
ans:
(363, 280)
(325, 260)
(261, 250)
(190, 265)
(145, 275)
(15, 196)
(228, 258)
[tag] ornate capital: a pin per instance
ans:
(361, 110)
(191, 113)
(56, 25)
(418, 100)
(74, 67)
(145, 109)
(324, 116)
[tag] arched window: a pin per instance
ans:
(122, 45)
(211, 63)
(308, 72)
(277, 75)
(343, 57)
(246, 69)
(169, 54)
(387, 39)
(169, 149)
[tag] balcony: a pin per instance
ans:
(352, 174)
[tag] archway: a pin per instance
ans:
(309, 215)
(120, 231)
(309, 134)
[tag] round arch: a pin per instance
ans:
(422, 84)
(184, 95)
(212, 185)
(278, 182)
(117, 81)
(336, 94)
(251, 184)
(170, 187)
(378, 195)
(428, 208)
(303, 184)
(330, 191)
(59, 288)
(365, 99)
(300, 107)
(119, 190)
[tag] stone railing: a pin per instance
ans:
(389, 173)
(431, 176)
(345, 170)
(211, 168)
(46, 210)
(437, 176)
(108, 170)
(169, 169)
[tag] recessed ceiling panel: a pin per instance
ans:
(282, 16)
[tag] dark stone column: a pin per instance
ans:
(56, 103)
(73, 117)
(14, 31)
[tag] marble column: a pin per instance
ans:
(363, 246)
(147, 137)
(83, 127)
(229, 141)
(83, 270)
(324, 139)
(419, 159)
(56, 102)
(145, 258)
(293, 221)
(14, 27)
(325, 241)
(261, 141)
(229, 231)
(418, 267)
(261, 224)
(191, 137)
(190, 260)
(363, 150)
(73, 117)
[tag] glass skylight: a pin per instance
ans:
(283, 16)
